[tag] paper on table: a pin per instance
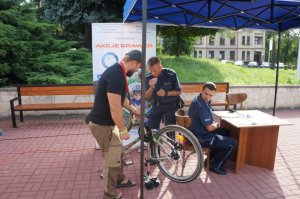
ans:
(250, 121)
(240, 121)
(260, 120)
(231, 115)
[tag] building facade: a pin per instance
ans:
(245, 45)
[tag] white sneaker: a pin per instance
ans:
(97, 146)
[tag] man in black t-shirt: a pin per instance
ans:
(106, 121)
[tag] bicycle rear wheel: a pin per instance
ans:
(179, 154)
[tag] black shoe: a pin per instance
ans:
(223, 170)
(218, 171)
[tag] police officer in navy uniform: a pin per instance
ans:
(208, 132)
(163, 88)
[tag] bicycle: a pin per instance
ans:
(176, 152)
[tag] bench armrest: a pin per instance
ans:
(14, 99)
(12, 102)
(12, 108)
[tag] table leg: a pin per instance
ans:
(241, 155)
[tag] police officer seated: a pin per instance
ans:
(163, 88)
(208, 132)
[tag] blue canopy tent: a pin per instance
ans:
(275, 15)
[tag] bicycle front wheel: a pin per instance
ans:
(179, 154)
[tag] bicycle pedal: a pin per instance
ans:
(152, 162)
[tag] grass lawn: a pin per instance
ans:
(201, 70)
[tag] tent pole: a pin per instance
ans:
(277, 71)
(142, 132)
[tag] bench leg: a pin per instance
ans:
(13, 116)
(234, 107)
(21, 116)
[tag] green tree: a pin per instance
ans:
(66, 67)
(76, 16)
(24, 40)
(178, 40)
(288, 46)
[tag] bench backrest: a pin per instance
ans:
(49, 89)
(196, 87)
(88, 89)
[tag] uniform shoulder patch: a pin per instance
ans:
(148, 75)
(168, 71)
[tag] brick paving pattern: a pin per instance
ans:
(54, 157)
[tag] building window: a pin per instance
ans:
(199, 54)
(244, 40)
(248, 40)
(248, 55)
(243, 55)
(222, 55)
(199, 42)
(232, 41)
(195, 54)
(232, 55)
(258, 40)
(222, 40)
(211, 54)
(211, 40)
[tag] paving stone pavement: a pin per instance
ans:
(54, 157)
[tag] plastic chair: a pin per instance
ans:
(185, 121)
(235, 99)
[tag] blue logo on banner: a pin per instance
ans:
(109, 59)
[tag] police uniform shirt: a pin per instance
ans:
(201, 115)
(167, 81)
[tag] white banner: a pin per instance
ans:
(111, 41)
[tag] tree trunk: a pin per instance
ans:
(273, 55)
(88, 36)
(178, 44)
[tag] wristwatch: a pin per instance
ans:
(166, 93)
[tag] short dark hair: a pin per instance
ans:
(153, 60)
(210, 85)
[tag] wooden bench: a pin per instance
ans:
(49, 90)
(196, 88)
